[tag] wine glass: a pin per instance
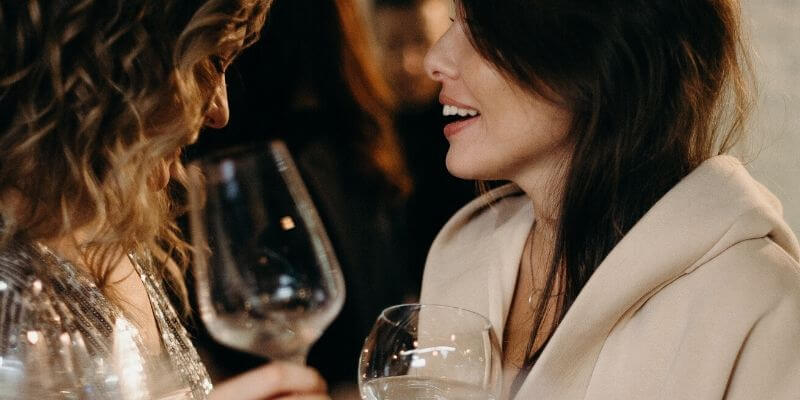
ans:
(432, 352)
(267, 278)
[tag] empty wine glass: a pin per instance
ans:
(267, 279)
(430, 352)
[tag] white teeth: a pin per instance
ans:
(449, 110)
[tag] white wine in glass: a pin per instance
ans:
(267, 278)
(430, 352)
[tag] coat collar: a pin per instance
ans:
(713, 208)
(475, 260)
(475, 266)
(507, 243)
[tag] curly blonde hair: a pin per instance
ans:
(93, 94)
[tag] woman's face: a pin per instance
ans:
(216, 117)
(217, 113)
(508, 133)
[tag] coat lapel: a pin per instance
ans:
(507, 244)
(665, 244)
(487, 253)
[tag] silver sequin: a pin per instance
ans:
(60, 337)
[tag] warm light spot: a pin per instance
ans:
(37, 287)
(227, 170)
(434, 350)
(452, 338)
(33, 337)
(287, 223)
(3, 285)
(418, 363)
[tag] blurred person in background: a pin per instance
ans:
(97, 99)
(314, 84)
(405, 30)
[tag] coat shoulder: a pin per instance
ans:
(482, 216)
(757, 272)
(476, 235)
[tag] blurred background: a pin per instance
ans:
(774, 143)
(342, 82)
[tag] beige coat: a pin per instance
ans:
(700, 300)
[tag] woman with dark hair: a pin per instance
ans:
(628, 258)
(97, 99)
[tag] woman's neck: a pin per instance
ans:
(545, 191)
(543, 181)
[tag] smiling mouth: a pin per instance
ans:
(456, 119)
(453, 114)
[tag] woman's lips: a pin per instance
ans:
(457, 126)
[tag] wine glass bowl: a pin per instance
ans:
(267, 279)
(417, 351)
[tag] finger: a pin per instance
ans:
(269, 381)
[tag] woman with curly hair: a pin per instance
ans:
(97, 98)
(630, 258)
(316, 79)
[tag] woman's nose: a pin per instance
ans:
(439, 64)
(218, 112)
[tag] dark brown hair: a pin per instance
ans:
(655, 87)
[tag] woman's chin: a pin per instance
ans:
(463, 169)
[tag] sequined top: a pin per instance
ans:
(61, 338)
